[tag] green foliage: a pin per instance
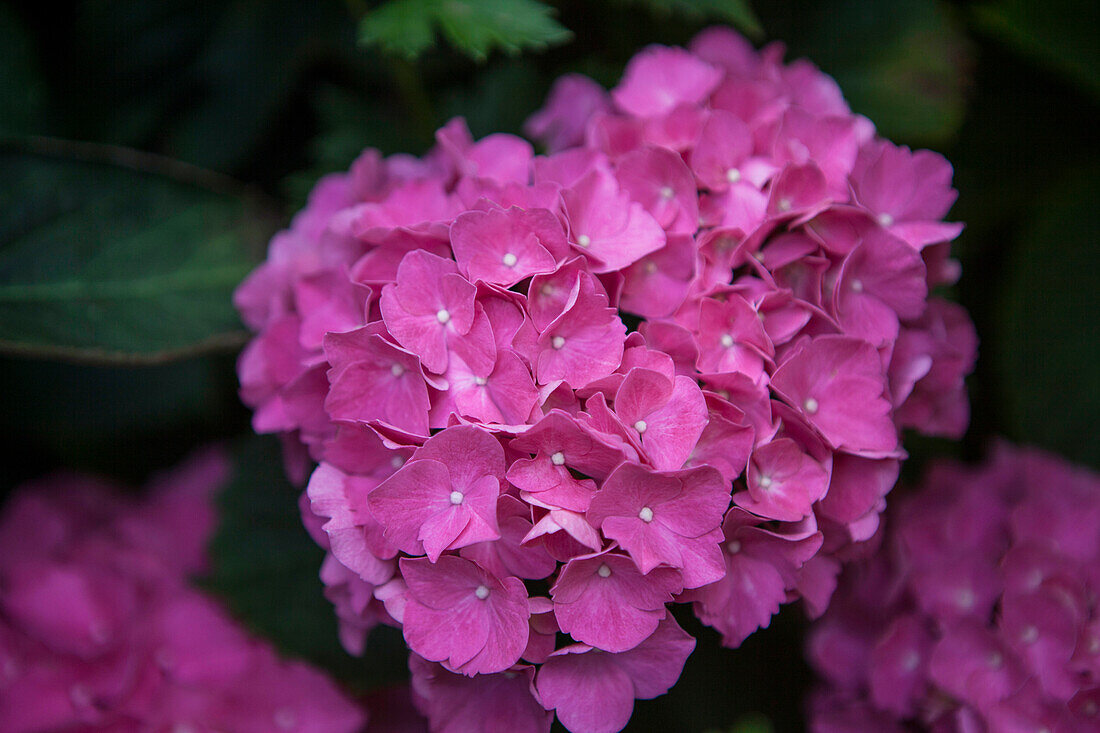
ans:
(474, 27)
(198, 80)
(752, 723)
(903, 64)
(266, 566)
(1060, 34)
(1046, 342)
(22, 94)
(115, 256)
(737, 13)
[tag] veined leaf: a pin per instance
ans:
(475, 27)
(111, 255)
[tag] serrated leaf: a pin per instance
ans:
(735, 12)
(474, 27)
(266, 568)
(106, 255)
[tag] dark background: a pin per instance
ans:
(274, 93)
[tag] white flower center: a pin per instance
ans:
(765, 482)
(810, 405)
(397, 461)
(481, 592)
(667, 192)
(646, 514)
(480, 381)
(885, 219)
(1091, 708)
(604, 571)
(911, 661)
(1030, 635)
(965, 598)
(457, 497)
(857, 286)
(650, 267)
(442, 315)
(726, 340)
(733, 175)
(584, 240)
(996, 660)
(509, 260)
(733, 547)
(397, 370)
(1094, 645)
(784, 204)
(558, 459)
(640, 426)
(557, 342)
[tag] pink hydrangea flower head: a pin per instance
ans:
(99, 630)
(711, 288)
(993, 629)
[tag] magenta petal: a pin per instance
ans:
(461, 615)
(837, 383)
(496, 703)
(604, 601)
(403, 502)
(505, 247)
(589, 692)
(656, 664)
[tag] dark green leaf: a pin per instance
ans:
(107, 254)
(500, 99)
(266, 568)
(735, 12)
(474, 27)
(903, 64)
(1046, 344)
(22, 94)
(1061, 34)
(199, 80)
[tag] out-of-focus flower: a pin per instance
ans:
(980, 613)
(100, 632)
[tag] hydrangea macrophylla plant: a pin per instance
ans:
(666, 361)
(979, 614)
(100, 632)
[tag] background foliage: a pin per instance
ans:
(147, 151)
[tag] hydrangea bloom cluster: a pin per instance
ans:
(99, 631)
(982, 613)
(666, 361)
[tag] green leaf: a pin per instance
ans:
(903, 64)
(266, 568)
(1060, 34)
(474, 27)
(107, 254)
(22, 94)
(500, 98)
(1046, 340)
(735, 12)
